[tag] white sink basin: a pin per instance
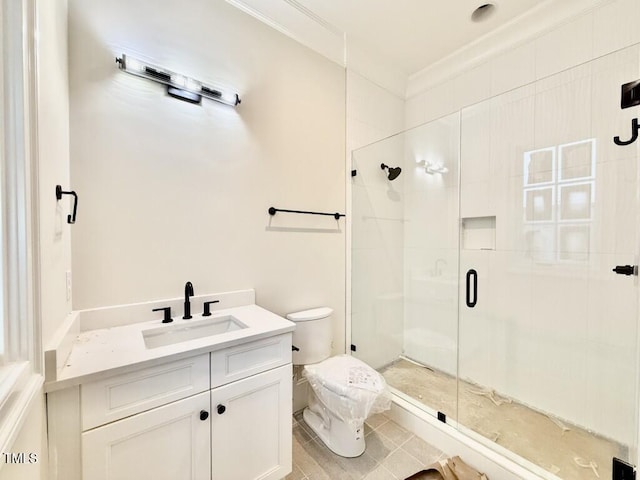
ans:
(190, 330)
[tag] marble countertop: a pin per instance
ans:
(118, 349)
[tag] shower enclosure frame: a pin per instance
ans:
(499, 455)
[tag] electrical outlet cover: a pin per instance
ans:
(68, 278)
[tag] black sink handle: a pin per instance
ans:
(207, 308)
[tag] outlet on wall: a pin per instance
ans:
(68, 278)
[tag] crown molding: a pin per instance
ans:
(299, 23)
(294, 20)
(546, 16)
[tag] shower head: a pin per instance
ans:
(394, 172)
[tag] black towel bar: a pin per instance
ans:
(273, 211)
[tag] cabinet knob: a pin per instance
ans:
(221, 409)
(204, 415)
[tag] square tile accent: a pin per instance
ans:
(394, 432)
(422, 451)
(401, 464)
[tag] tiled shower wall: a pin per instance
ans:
(553, 328)
(611, 26)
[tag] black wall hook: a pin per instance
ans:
(634, 134)
(59, 192)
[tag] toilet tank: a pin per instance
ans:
(312, 335)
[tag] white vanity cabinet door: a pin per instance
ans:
(234, 363)
(167, 443)
(113, 398)
(251, 427)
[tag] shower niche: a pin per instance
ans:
(527, 190)
(478, 233)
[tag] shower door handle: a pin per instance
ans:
(626, 270)
(472, 303)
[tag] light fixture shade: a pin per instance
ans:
(177, 82)
(435, 168)
(432, 167)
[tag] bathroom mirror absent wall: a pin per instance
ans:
(482, 282)
(194, 172)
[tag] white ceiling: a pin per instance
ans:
(413, 34)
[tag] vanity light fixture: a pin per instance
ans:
(178, 86)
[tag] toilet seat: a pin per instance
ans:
(346, 376)
(348, 388)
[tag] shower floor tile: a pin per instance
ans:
(554, 445)
(392, 453)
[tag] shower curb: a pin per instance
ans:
(452, 442)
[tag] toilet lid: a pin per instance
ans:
(307, 315)
(346, 376)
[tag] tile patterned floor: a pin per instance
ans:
(392, 453)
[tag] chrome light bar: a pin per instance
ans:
(178, 85)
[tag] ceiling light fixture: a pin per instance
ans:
(178, 86)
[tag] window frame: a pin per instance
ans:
(21, 365)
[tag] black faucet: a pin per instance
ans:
(188, 292)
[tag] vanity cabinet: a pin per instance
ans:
(167, 443)
(251, 427)
(223, 415)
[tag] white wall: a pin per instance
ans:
(171, 192)
(559, 332)
(53, 134)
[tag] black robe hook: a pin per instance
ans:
(634, 134)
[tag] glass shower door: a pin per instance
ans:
(549, 206)
(405, 235)
(482, 277)
(377, 279)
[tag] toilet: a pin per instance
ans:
(344, 390)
